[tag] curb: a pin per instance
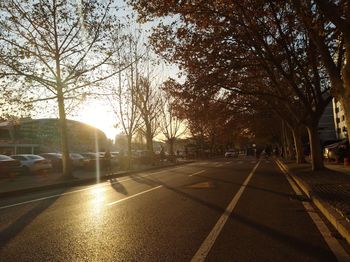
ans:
(81, 182)
(336, 219)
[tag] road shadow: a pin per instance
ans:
(248, 186)
(143, 180)
(311, 249)
(318, 252)
(17, 226)
(117, 186)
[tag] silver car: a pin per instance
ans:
(77, 160)
(33, 163)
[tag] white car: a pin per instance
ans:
(231, 153)
(33, 163)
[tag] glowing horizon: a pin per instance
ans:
(97, 114)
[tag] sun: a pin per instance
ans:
(98, 114)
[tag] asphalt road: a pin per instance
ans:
(218, 210)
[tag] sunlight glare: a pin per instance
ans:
(99, 115)
(97, 150)
(98, 194)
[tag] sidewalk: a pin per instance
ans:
(32, 183)
(328, 189)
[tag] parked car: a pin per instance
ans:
(231, 153)
(77, 160)
(115, 156)
(337, 151)
(55, 158)
(33, 163)
(90, 155)
(143, 157)
(91, 159)
(9, 166)
(329, 153)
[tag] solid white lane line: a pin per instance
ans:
(126, 198)
(104, 184)
(199, 172)
(331, 241)
(204, 249)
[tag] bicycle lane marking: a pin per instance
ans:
(208, 243)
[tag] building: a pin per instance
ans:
(43, 135)
(326, 126)
(339, 120)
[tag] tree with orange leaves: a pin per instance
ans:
(252, 47)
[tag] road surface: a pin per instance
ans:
(216, 210)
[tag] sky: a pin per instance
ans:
(98, 112)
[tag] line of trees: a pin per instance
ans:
(56, 50)
(289, 57)
(244, 61)
(66, 50)
(141, 104)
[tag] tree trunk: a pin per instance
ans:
(345, 99)
(315, 148)
(66, 164)
(171, 146)
(297, 132)
(129, 158)
(212, 144)
(284, 141)
(288, 143)
(149, 138)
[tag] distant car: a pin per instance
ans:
(55, 158)
(33, 163)
(231, 153)
(9, 166)
(77, 160)
(243, 153)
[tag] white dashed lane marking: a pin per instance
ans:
(197, 173)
